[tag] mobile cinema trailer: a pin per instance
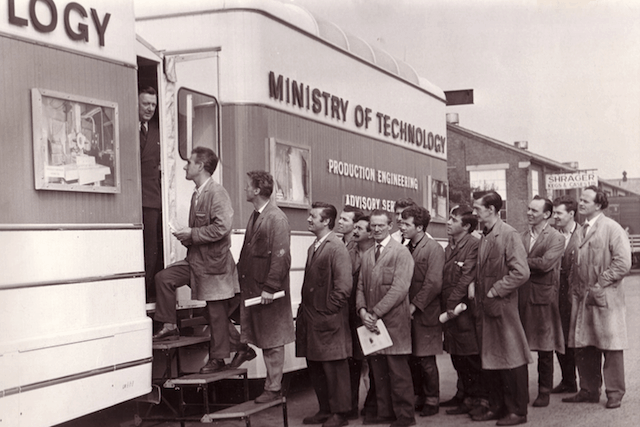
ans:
(269, 86)
(74, 334)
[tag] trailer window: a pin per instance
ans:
(197, 122)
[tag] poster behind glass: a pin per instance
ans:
(75, 143)
(290, 165)
(439, 199)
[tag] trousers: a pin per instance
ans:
(592, 371)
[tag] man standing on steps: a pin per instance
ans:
(322, 324)
(209, 268)
(263, 269)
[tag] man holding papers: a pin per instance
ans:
(263, 271)
(383, 293)
(323, 335)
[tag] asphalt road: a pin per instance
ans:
(302, 401)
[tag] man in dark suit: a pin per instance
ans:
(564, 211)
(150, 173)
(424, 307)
(209, 268)
(322, 324)
(263, 269)
(502, 268)
(383, 293)
(538, 297)
(460, 338)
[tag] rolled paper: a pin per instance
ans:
(444, 317)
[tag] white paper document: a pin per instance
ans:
(255, 301)
(374, 341)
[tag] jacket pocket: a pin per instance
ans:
(541, 294)
(387, 277)
(493, 306)
(597, 298)
(216, 260)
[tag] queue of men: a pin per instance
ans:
(488, 302)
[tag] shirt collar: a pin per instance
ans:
(592, 220)
(384, 242)
(261, 209)
(199, 189)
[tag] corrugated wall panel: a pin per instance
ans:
(33, 66)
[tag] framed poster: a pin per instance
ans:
(290, 164)
(75, 143)
(437, 198)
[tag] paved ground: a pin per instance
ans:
(302, 402)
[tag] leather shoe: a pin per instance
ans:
(429, 410)
(451, 403)
(167, 334)
(458, 410)
(582, 396)
(213, 366)
(318, 418)
(377, 420)
(541, 401)
(403, 422)
(268, 396)
(336, 420)
(485, 416)
(242, 356)
(613, 402)
(564, 388)
(512, 420)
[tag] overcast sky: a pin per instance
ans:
(563, 75)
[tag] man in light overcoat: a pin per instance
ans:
(323, 335)
(263, 270)
(502, 268)
(598, 313)
(538, 298)
(383, 293)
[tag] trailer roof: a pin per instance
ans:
(300, 18)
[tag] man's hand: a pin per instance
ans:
(183, 234)
(369, 320)
(471, 291)
(492, 293)
(267, 298)
(412, 309)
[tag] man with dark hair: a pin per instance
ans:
(150, 179)
(398, 207)
(501, 269)
(322, 324)
(460, 338)
(383, 293)
(209, 268)
(348, 217)
(538, 297)
(424, 307)
(598, 316)
(263, 269)
(361, 242)
(564, 211)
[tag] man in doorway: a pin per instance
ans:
(322, 324)
(209, 268)
(501, 269)
(424, 307)
(538, 297)
(564, 211)
(263, 269)
(598, 315)
(151, 194)
(383, 293)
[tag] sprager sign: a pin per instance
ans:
(579, 179)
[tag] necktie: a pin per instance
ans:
(377, 254)
(256, 214)
(143, 129)
(585, 230)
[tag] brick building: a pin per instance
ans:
(477, 162)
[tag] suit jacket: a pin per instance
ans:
(460, 336)
(598, 313)
(213, 273)
(322, 323)
(383, 288)
(150, 167)
(424, 294)
(502, 265)
(265, 260)
(538, 297)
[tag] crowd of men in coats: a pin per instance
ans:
(555, 287)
